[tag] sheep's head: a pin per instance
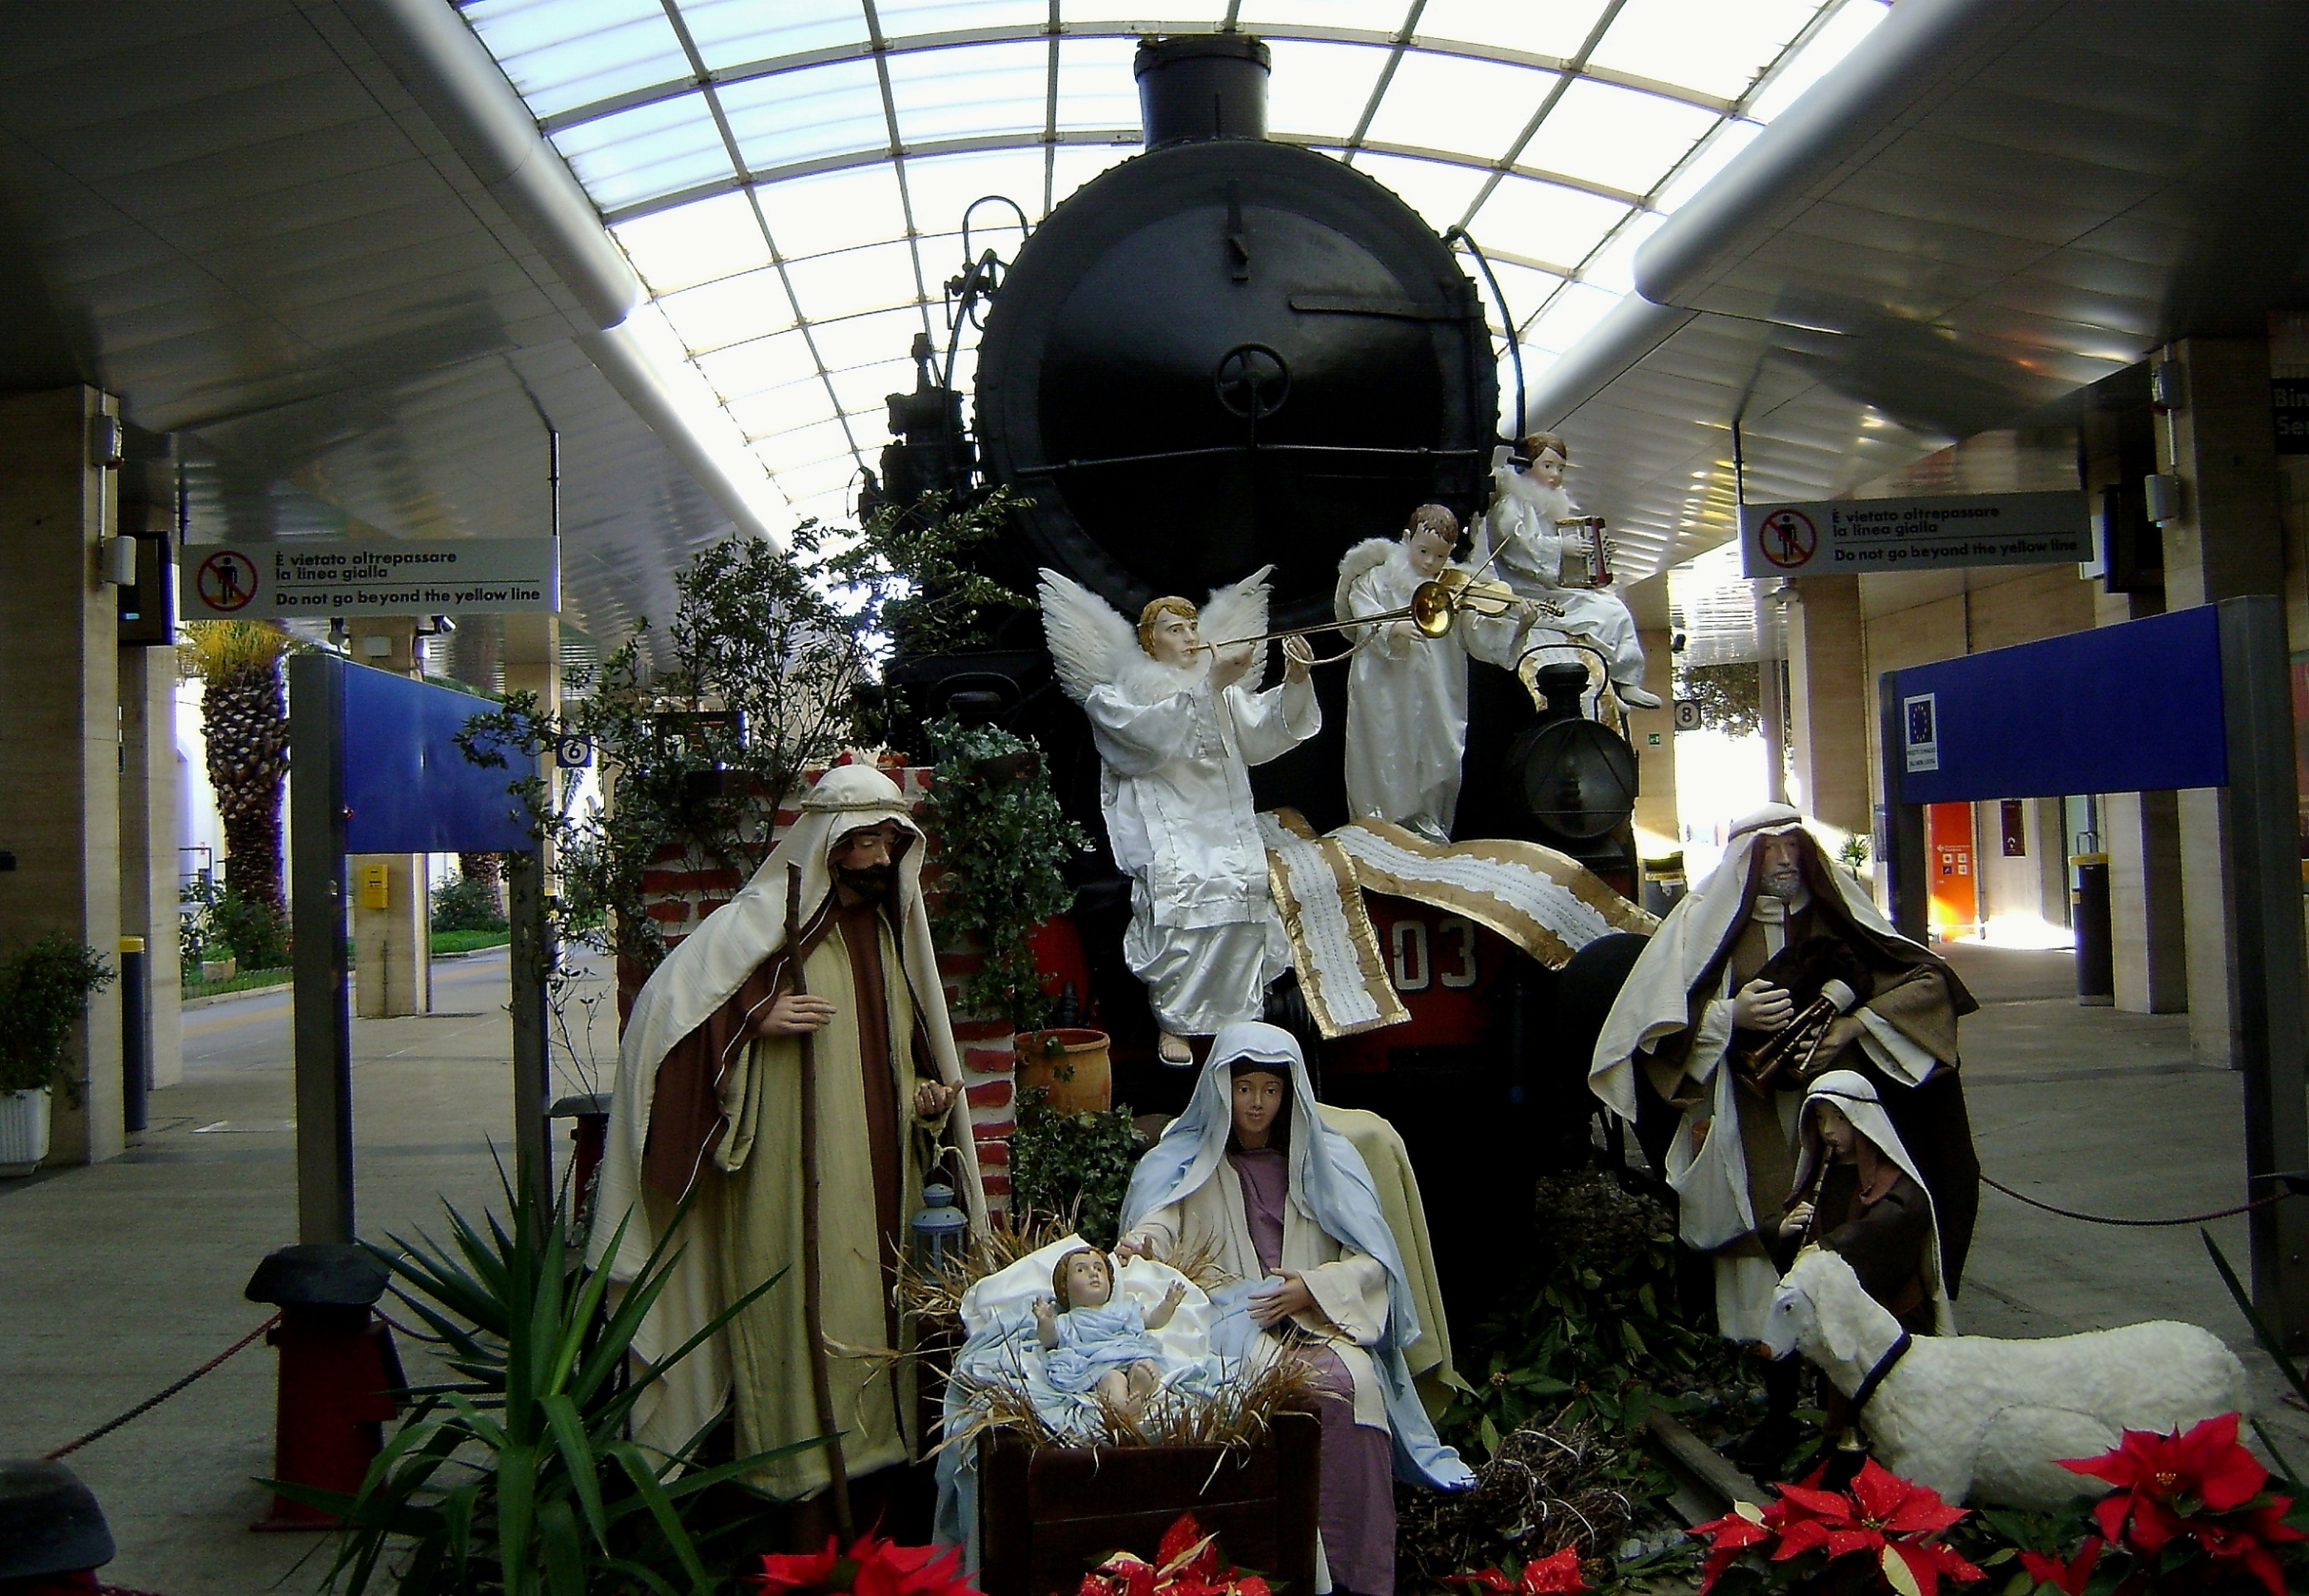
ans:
(1792, 1322)
(1822, 1309)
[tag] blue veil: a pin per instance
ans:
(1330, 1186)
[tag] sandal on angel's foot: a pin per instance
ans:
(1174, 1051)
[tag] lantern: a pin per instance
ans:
(938, 1229)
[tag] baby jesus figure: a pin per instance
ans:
(1091, 1342)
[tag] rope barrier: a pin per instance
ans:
(151, 1403)
(2096, 1218)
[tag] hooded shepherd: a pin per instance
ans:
(1675, 1054)
(710, 1106)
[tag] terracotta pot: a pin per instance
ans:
(25, 1131)
(1071, 1066)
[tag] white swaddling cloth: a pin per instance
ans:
(1000, 1344)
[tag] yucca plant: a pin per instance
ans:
(244, 717)
(518, 1480)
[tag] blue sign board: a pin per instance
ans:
(2135, 708)
(408, 788)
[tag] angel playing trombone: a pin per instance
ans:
(1178, 723)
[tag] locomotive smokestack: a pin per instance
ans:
(1199, 86)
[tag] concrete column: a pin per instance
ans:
(2143, 834)
(393, 946)
(2229, 540)
(1658, 832)
(531, 662)
(148, 842)
(60, 730)
(1831, 700)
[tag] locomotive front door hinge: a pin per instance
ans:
(1238, 247)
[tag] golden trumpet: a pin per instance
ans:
(1434, 607)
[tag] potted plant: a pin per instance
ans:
(44, 992)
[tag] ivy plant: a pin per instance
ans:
(1005, 843)
(1591, 1326)
(1072, 1167)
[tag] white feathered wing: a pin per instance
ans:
(1090, 642)
(1365, 556)
(1239, 611)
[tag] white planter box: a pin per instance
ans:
(23, 1131)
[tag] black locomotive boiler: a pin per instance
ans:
(1224, 353)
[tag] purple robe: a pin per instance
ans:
(1356, 1508)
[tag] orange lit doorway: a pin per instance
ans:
(1956, 882)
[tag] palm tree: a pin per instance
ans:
(247, 718)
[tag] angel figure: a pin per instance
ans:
(1406, 692)
(1178, 726)
(1527, 501)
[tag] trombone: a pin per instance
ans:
(1435, 606)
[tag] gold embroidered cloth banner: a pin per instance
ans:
(1545, 902)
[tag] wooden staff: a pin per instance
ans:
(821, 1377)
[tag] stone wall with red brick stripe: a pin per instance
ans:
(682, 887)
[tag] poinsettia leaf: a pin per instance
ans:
(1903, 1578)
(1183, 1533)
(1843, 1543)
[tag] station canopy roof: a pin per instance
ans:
(790, 177)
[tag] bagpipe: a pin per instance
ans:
(1826, 980)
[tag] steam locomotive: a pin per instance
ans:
(1223, 353)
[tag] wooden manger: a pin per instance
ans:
(1048, 1515)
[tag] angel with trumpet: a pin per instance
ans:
(1178, 723)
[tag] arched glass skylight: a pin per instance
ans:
(790, 176)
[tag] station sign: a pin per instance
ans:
(317, 578)
(1869, 536)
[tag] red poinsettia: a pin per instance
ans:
(872, 1567)
(1187, 1563)
(1555, 1574)
(2201, 1487)
(1890, 1520)
(1728, 1537)
(2069, 1578)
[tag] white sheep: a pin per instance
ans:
(1974, 1416)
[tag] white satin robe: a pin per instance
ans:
(1176, 790)
(1521, 525)
(1406, 710)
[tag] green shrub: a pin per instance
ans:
(44, 992)
(467, 904)
(222, 922)
(257, 936)
(1072, 1167)
(1592, 1325)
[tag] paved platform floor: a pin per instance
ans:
(119, 1278)
(115, 1279)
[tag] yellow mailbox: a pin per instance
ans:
(374, 891)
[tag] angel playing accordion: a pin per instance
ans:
(1178, 723)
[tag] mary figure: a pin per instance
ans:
(1251, 1177)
